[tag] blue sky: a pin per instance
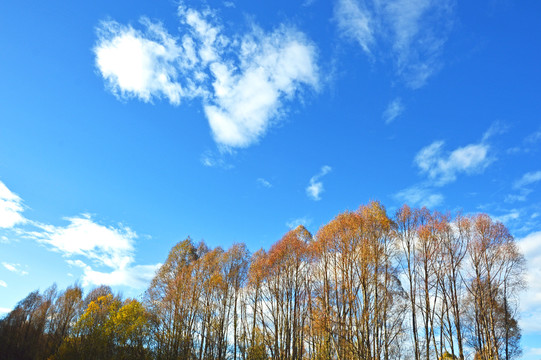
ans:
(127, 126)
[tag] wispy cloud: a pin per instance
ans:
(264, 183)
(104, 246)
(527, 179)
(242, 80)
(11, 208)
(529, 144)
(507, 217)
(16, 268)
(420, 195)
(443, 167)
(412, 33)
(3, 283)
(356, 22)
(393, 110)
(315, 186)
(216, 159)
(522, 188)
(293, 223)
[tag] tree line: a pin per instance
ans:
(419, 285)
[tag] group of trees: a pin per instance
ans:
(419, 285)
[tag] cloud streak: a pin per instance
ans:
(264, 183)
(16, 268)
(393, 110)
(527, 179)
(412, 33)
(419, 195)
(241, 80)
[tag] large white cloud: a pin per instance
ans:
(104, 246)
(11, 208)
(242, 80)
(411, 32)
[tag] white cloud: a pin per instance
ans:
(16, 268)
(530, 300)
(315, 187)
(419, 195)
(443, 168)
(522, 187)
(264, 183)
(411, 32)
(106, 246)
(527, 179)
(3, 283)
(4, 310)
(11, 208)
(139, 64)
(293, 223)
(241, 80)
(112, 247)
(393, 110)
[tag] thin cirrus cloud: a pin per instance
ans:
(420, 195)
(11, 208)
(412, 33)
(393, 110)
(523, 186)
(315, 185)
(527, 179)
(241, 80)
(263, 182)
